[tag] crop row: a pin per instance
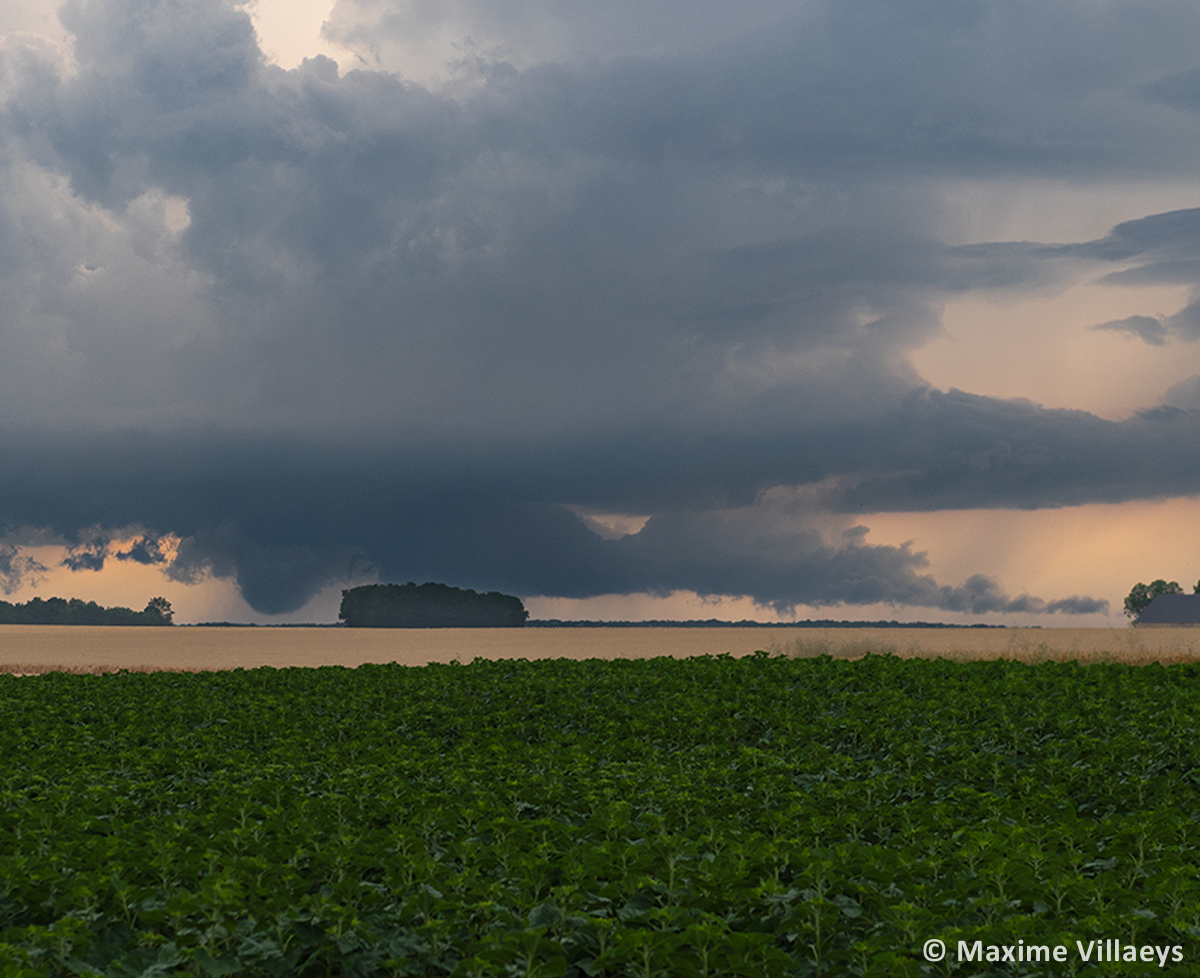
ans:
(713, 816)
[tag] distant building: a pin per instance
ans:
(1171, 611)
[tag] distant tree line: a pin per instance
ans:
(60, 611)
(1142, 594)
(746, 623)
(429, 606)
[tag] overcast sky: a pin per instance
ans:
(845, 309)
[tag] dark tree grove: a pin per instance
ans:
(60, 611)
(429, 606)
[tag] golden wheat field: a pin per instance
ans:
(44, 648)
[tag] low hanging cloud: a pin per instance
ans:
(545, 550)
(94, 546)
(1158, 330)
(749, 553)
(1149, 329)
(86, 559)
(480, 523)
(16, 569)
(87, 550)
(1184, 396)
(144, 550)
(273, 579)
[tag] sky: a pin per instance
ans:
(812, 309)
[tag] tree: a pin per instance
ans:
(1142, 594)
(429, 606)
(161, 608)
(61, 611)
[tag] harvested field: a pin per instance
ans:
(1087, 645)
(45, 648)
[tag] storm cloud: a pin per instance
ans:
(322, 324)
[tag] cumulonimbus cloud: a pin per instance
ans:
(320, 321)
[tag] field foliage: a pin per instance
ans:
(763, 816)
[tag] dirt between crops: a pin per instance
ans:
(91, 649)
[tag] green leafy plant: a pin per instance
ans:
(764, 816)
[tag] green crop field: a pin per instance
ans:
(762, 816)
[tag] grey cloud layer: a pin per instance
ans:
(316, 323)
(1162, 248)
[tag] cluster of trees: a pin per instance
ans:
(429, 606)
(60, 611)
(1142, 594)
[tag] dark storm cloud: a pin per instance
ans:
(991, 453)
(956, 86)
(324, 325)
